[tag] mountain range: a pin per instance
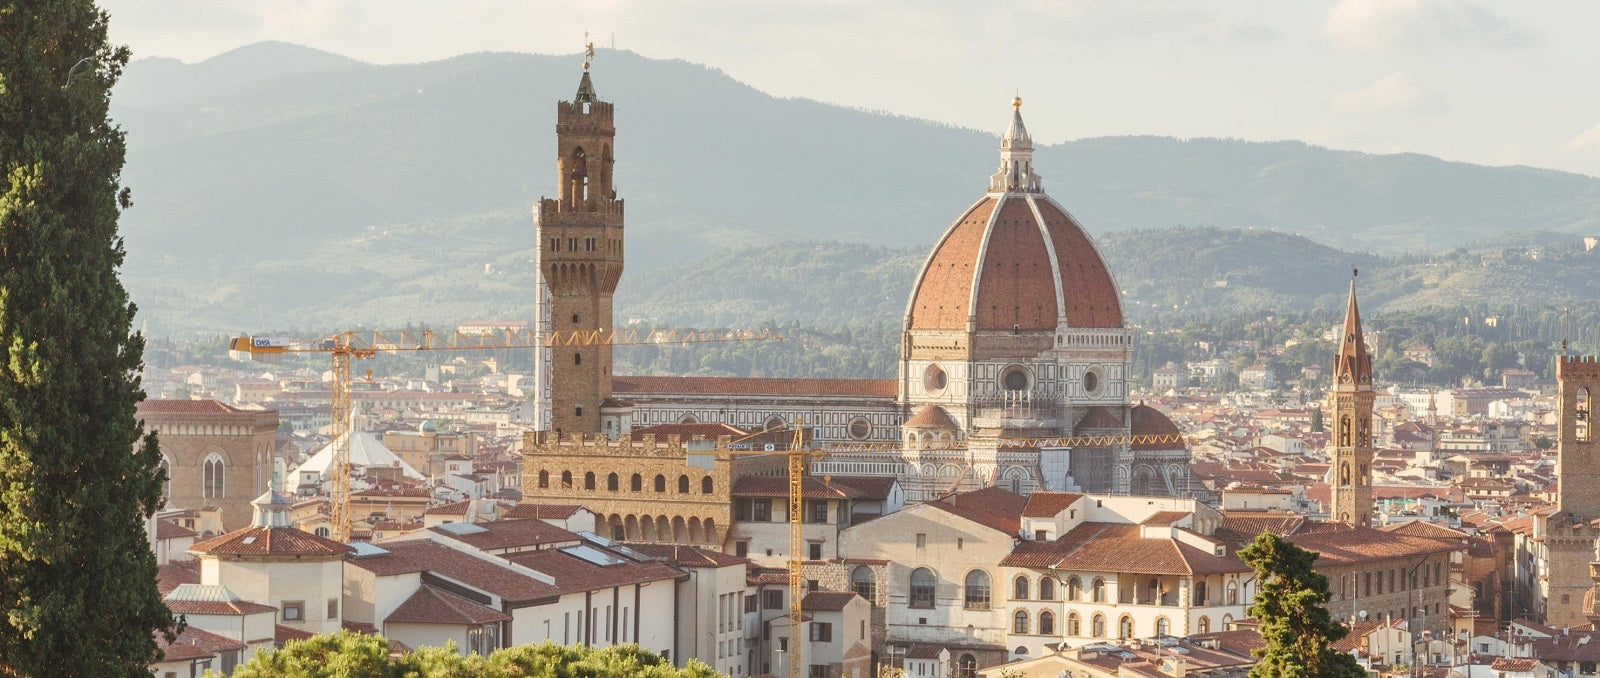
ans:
(278, 187)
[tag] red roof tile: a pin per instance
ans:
(690, 431)
(194, 644)
(236, 608)
(931, 416)
(992, 507)
(542, 511)
(858, 388)
(574, 574)
(269, 541)
(778, 486)
(185, 407)
(1363, 544)
(432, 606)
(421, 555)
(1049, 504)
(508, 534)
(688, 556)
(1118, 547)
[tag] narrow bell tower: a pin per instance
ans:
(580, 257)
(1352, 423)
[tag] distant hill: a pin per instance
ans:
(276, 186)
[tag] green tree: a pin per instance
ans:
(78, 478)
(1294, 622)
(352, 655)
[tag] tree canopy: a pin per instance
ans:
(78, 479)
(352, 655)
(1294, 622)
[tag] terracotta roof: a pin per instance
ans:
(1239, 526)
(507, 534)
(1117, 547)
(236, 608)
(856, 388)
(992, 507)
(931, 416)
(421, 555)
(811, 487)
(433, 606)
(1148, 420)
(194, 644)
(1569, 647)
(1513, 664)
(1422, 528)
(175, 574)
(1049, 504)
(827, 600)
(573, 574)
(871, 487)
(167, 529)
(688, 556)
(458, 508)
(1364, 544)
(923, 651)
(995, 264)
(269, 541)
(186, 407)
(1165, 518)
(708, 431)
(542, 511)
(1241, 641)
(282, 635)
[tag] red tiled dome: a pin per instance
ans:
(1014, 261)
(1148, 420)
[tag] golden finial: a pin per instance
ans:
(1016, 102)
(588, 51)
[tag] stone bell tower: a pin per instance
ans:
(1352, 398)
(1569, 535)
(580, 259)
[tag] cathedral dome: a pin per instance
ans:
(1014, 260)
(1148, 420)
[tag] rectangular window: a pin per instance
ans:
(333, 608)
(294, 610)
(1038, 535)
(922, 540)
(819, 512)
(761, 510)
(772, 600)
(750, 603)
(814, 550)
(821, 632)
(741, 548)
(820, 671)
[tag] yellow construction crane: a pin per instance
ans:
(346, 347)
(797, 454)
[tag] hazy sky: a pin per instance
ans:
(1486, 82)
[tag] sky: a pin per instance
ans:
(1496, 83)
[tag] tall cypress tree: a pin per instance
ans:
(78, 478)
(1291, 606)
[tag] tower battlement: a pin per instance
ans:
(595, 113)
(596, 212)
(1578, 366)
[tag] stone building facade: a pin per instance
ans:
(665, 491)
(214, 454)
(1565, 541)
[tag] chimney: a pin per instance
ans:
(1174, 665)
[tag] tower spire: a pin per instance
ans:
(1352, 398)
(586, 93)
(1016, 158)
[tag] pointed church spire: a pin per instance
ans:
(1016, 158)
(1352, 365)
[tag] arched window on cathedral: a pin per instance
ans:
(213, 477)
(544, 479)
(588, 480)
(707, 485)
(636, 483)
(683, 484)
(611, 482)
(661, 483)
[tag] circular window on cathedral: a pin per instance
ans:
(860, 428)
(934, 379)
(1015, 378)
(1091, 382)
